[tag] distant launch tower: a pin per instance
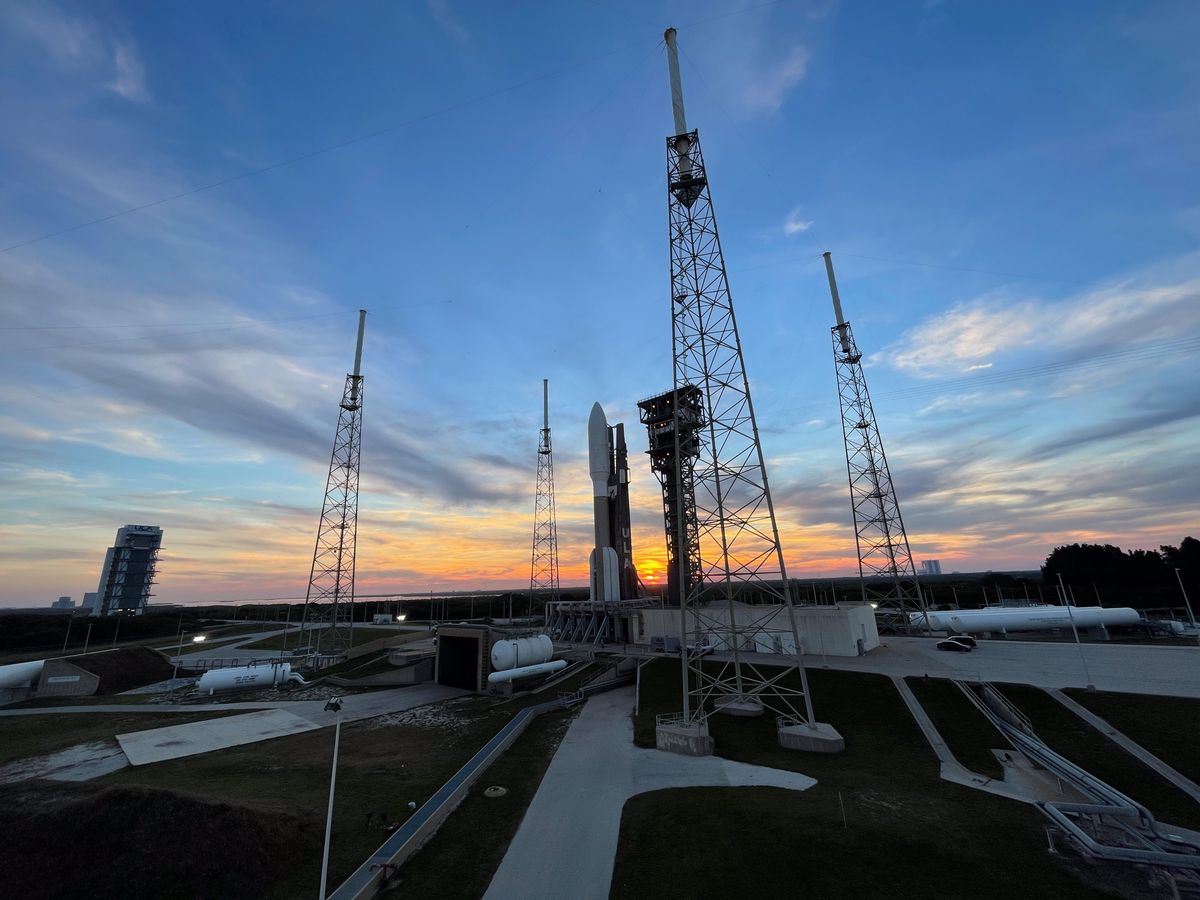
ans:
(731, 555)
(885, 566)
(329, 602)
(543, 573)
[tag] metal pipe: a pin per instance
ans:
(337, 737)
(362, 324)
(837, 303)
(1186, 601)
(676, 84)
(545, 404)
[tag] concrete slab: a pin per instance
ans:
(819, 737)
(175, 741)
(82, 762)
(567, 841)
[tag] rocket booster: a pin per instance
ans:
(605, 571)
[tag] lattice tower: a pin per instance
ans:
(329, 601)
(544, 567)
(740, 560)
(886, 573)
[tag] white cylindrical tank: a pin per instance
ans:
(527, 671)
(527, 651)
(1026, 618)
(245, 678)
(19, 675)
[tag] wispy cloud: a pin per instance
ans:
(130, 79)
(768, 88)
(794, 224)
(445, 16)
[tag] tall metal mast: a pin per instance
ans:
(739, 599)
(329, 602)
(887, 576)
(544, 568)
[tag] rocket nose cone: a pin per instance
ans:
(598, 442)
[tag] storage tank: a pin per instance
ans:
(1026, 618)
(246, 678)
(519, 652)
(19, 675)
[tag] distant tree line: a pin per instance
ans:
(1141, 578)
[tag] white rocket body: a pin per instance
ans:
(603, 564)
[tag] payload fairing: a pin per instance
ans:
(613, 576)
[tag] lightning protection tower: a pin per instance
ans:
(543, 573)
(886, 573)
(329, 602)
(739, 598)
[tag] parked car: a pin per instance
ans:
(964, 639)
(954, 645)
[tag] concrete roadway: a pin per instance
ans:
(1125, 668)
(567, 842)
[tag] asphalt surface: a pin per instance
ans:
(567, 842)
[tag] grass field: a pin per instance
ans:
(969, 735)
(460, 860)
(25, 736)
(906, 832)
(1065, 732)
(218, 633)
(1169, 727)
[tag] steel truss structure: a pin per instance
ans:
(329, 601)
(543, 573)
(885, 566)
(738, 598)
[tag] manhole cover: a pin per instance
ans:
(495, 791)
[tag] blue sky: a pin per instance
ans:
(1008, 190)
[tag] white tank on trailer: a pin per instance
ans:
(1025, 618)
(527, 671)
(246, 678)
(518, 652)
(19, 675)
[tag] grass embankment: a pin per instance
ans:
(969, 735)
(460, 860)
(292, 640)
(1075, 739)
(84, 840)
(24, 736)
(105, 629)
(907, 833)
(1169, 727)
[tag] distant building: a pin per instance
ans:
(129, 569)
(89, 601)
(63, 603)
(931, 567)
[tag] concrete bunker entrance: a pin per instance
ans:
(458, 661)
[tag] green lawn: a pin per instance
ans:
(380, 771)
(25, 736)
(904, 826)
(969, 735)
(1065, 732)
(460, 860)
(1169, 727)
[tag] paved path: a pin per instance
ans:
(567, 841)
(1125, 668)
(1172, 775)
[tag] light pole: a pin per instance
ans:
(334, 704)
(87, 640)
(71, 618)
(1186, 601)
(1071, 615)
(196, 639)
(116, 631)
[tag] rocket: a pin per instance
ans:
(611, 562)
(603, 560)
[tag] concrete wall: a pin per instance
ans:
(829, 630)
(63, 679)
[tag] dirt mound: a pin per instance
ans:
(126, 668)
(79, 840)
